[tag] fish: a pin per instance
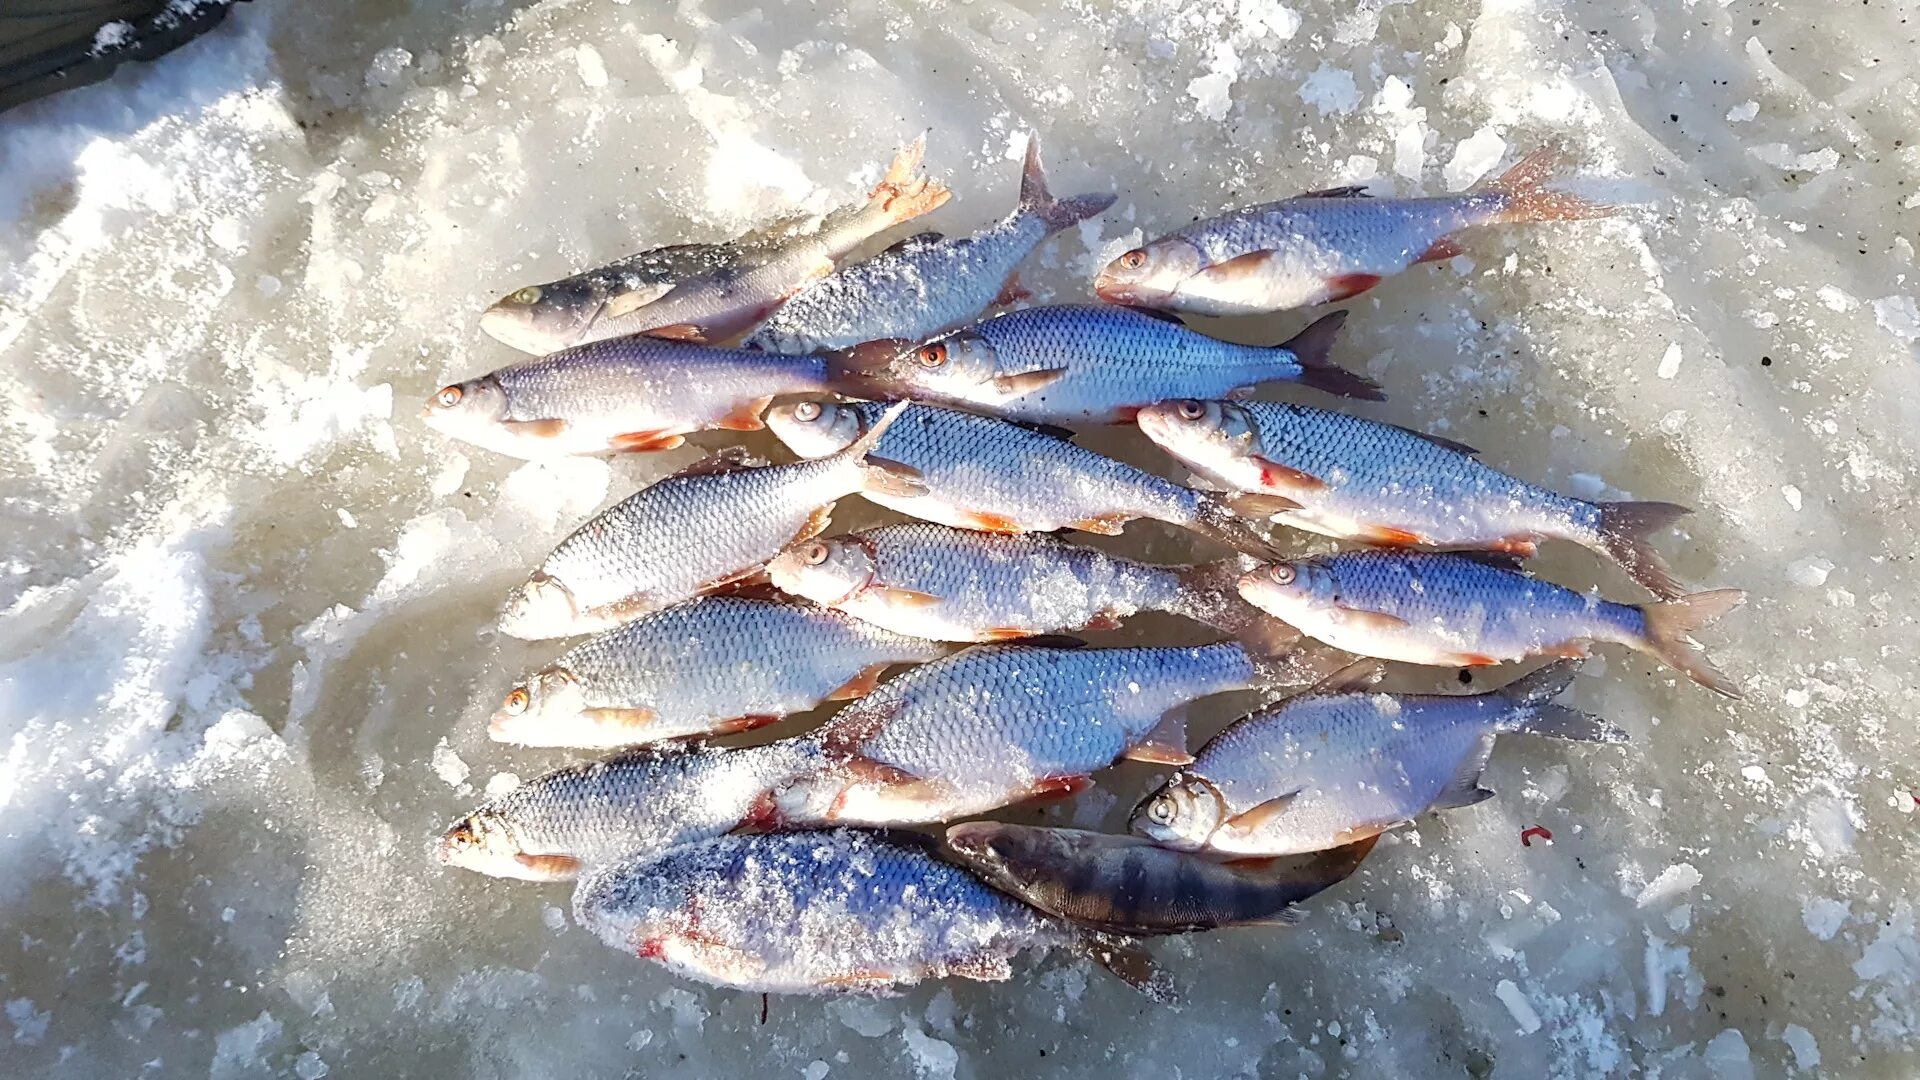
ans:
(1338, 765)
(1126, 884)
(712, 665)
(625, 394)
(1091, 364)
(994, 725)
(1326, 246)
(820, 912)
(639, 802)
(691, 533)
(709, 294)
(990, 475)
(946, 584)
(927, 284)
(1365, 480)
(1465, 611)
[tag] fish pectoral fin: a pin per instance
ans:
(1388, 536)
(1166, 744)
(815, 524)
(1006, 633)
(745, 417)
(894, 596)
(1376, 621)
(1442, 249)
(1103, 525)
(988, 522)
(1347, 286)
(630, 720)
(640, 442)
(1259, 506)
(860, 685)
(720, 461)
(1463, 788)
(1240, 267)
(548, 867)
(1027, 381)
(744, 723)
(1251, 821)
(1274, 474)
(1056, 787)
(884, 476)
(679, 332)
(1358, 675)
(1520, 547)
(634, 299)
(1453, 800)
(547, 428)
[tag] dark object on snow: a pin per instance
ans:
(47, 46)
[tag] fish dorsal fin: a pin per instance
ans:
(721, 461)
(1359, 675)
(1166, 744)
(1349, 191)
(1440, 441)
(1500, 560)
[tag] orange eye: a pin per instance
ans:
(1282, 574)
(517, 700)
(1191, 410)
(817, 554)
(807, 412)
(1134, 260)
(448, 397)
(932, 356)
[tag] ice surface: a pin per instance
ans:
(231, 277)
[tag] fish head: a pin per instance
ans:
(486, 843)
(541, 608)
(470, 411)
(815, 429)
(1197, 431)
(542, 318)
(1182, 815)
(545, 710)
(1287, 589)
(830, 572)
(1149, 276)
(960, 365)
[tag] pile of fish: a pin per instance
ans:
(716, 604)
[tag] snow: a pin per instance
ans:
(247, 655)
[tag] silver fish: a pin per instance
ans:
(946, 584)
(712, 665)
(930, 283)
(1332, 767)
(689, 534)
(1124, 884)
(1460, 611)
(990, 475)
(1364, 480)
(994, 725)
(816, 912)
(640, 802)
(1325, 246)
(1092, 364)
(707, 293)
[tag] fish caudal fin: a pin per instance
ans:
(1530, 199)
(1128, 960)
(1224, 520)
(1310, 348)
(1669, 625)
(903, 194)
(1056, 214)
(1624, 528)
(1210, 594)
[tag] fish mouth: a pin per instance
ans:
(514, 328)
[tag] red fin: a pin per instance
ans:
(1005, 633)
(1252, 264)
(1443, 249)
(895, 597)
(745, 417)
(1058, 787)
(1166, 744)
(539, 429)
(860, 685)
(1347, 286)
(1388, 536)
(1570, 650)
(679, 332)
(645, 441)
(1513, 545)
(1108, 525)
(1473, 660)
(1011, 292)
(549, 867)
(815, 524)
(1530, 199)
(634, 720)
(982, 521)
(1105, 620)
(743, 723)
(1274, 474)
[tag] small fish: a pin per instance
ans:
(818, 912)
(929, 283)
(1466, 611)
(1364, 480)
(1093, 364)
(1335, 766)
(712, 665)
(991, 475)
(688, 534)
(635, 393)
(707, 293)
(1325, 246)
(946, 584)
(1127, 885)
(994, 725)
(640, 802)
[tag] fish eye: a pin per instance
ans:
(528, 295)
(817, 554)
(517, 700)
(449, 396)
(1191, 410)
(932, 356)
(1160, 811)
(807, 412)
(1134, 260)
(1282, 574)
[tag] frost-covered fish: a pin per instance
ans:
(990, 475)
(1365, 480)
(640, 802)
(713, 665)
(634, 393)
(689, 534)
(946, 584)
(1332, 767)
(930, 283)
(1463, 611)
(1094, 364)
(998, 724)
(707, 293)
(815, 912)
(1325, 246)
(1124, 884)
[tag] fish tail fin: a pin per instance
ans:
(1129, 961)
(1209, 594)
(1224, 519)
(879, 474)
(1669, 625)
(1035, 199)
(903, 194)
(1309, 350)
(1528, 198)
(1624, 528)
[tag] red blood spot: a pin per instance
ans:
(651, 948)
(1527, 835)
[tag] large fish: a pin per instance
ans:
(1092, 364)
(689, 534)
(998, 724)
(1124, 884)
(712, 665)
(635, 393)
(1465, 611)
(707, 293)
(1335, 766)
(990, 475)
(640, 802)
(929, 283)
(1325, 246)
(1365, 480)
(946, 584)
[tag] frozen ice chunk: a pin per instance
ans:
(1727, 1055)
(1806, 1049)
(1823, 916)
(1474, 158)
(1675, 881)
(1518, 1006)
(1331, 90)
